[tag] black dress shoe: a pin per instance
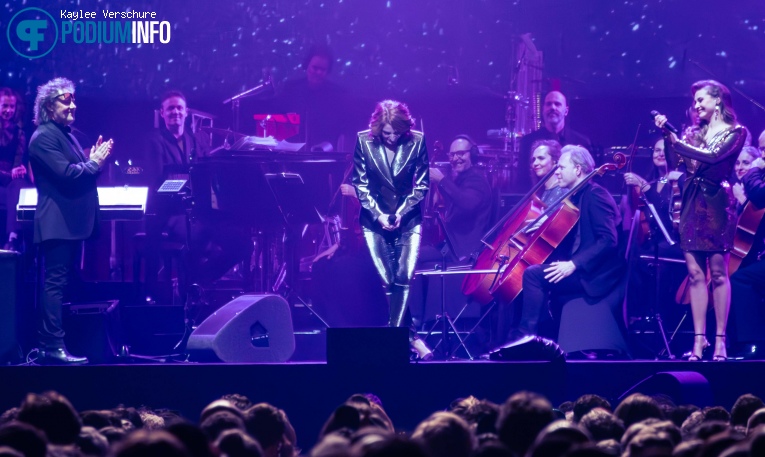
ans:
(59, 356)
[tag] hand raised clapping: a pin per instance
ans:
(101, 150)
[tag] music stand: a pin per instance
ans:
(658, 231)
(443, 319)
(294, 203)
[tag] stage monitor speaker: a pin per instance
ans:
(684, 387)
(368, 346)
(248, 329)
(93, 330)
(10, 262)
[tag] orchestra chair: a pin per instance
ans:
(593, 326)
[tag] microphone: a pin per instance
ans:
(391, 219)
(667, 125)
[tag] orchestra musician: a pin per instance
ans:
(707, 218)
(748, 282)
(13, 163)
(172, 149)
(67, 207)
(213, 246)
(545, 155)
(657, 187)
(391, 179)
(593, 268)
(466, 195)
(555, 109)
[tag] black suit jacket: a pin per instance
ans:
(596, 257)
(390, 189)
(168, 161)
(67, 202)
(468, 209)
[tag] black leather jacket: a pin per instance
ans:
(390, 189)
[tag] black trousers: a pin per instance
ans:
(60, 262)
(536, 291)
(747, 292)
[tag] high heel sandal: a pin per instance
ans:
(718, 357)
(697, 357)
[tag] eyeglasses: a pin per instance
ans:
(67, 100)
(451, 154)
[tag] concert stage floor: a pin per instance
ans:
(309, 392)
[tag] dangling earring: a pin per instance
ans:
(717, 112)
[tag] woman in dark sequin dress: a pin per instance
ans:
(708, 216)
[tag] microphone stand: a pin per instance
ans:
(234, 100)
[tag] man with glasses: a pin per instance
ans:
(466, 196)
(67, 206)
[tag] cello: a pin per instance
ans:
(494, 256)
(553, 225)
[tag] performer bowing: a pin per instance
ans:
(391, 179)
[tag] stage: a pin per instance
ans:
(309, 392)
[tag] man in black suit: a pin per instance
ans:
(67, 206)
(594, 267)
(554, 111)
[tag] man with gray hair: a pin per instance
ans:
(586, 262)
(67, 206)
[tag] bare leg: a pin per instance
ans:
(718, 267)
(696, 263)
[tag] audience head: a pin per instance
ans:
(237, 443)
(52, 414)
(521, 418)
(480, 414)
(270, 426)
(192, 438)
(602, 425)
(24, 438)
(92, 442)
(587, 403)
(150, 443)
(445, 435)
(636, 408)
(395, 446)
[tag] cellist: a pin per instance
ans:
(593, 267)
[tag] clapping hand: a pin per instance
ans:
(101, 150)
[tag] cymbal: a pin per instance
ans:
(224, 132)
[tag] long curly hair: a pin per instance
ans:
(45, 96)
(18, 115)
